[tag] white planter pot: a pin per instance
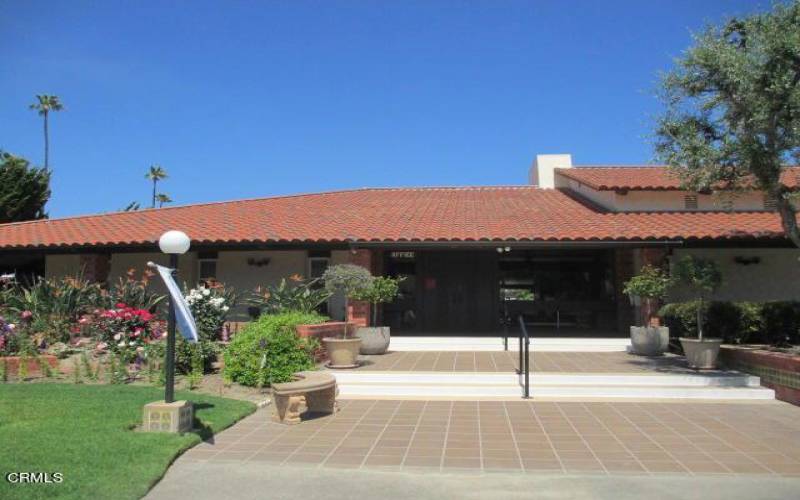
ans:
(374, 340)
(701, 354)
(649, 340)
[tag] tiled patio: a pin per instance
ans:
(507, 361)
(550, 437)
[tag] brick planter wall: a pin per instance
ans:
(322, 330)
(778, 371)
(34, 370)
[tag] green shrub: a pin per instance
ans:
(681, 318)
(734, 322)
(782, 322)
(191, 357)
(268, 350)
(188, 355)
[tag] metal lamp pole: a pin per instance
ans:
(169, 389)
(172, 243)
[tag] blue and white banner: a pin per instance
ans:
(183, 315)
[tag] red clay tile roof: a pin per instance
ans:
(644, 178)
(522, 213)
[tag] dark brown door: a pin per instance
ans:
(458, 292)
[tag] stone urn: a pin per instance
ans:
(374, 339)
(649, 340)
(701, 354)
(342, 353)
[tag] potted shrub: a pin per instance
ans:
(351, 281)
(645, 289)
(702, 277)
(375, 339)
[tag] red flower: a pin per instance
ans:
(121, 305)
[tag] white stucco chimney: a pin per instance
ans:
(542, 172)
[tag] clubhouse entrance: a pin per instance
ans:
(560, 292)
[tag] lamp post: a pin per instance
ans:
(172, 243)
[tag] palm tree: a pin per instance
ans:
(44, 105)
(163, 198)
(155, 174)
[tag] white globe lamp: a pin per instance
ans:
(174, 243)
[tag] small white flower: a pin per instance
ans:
(131, 343)
(121, 344)
(117, 336)
(206, 292)
(225, 308)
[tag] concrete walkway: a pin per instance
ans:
(257, 480)
(523, 436)
(523, 449)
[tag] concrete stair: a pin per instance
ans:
(507, 386)
(560, 344)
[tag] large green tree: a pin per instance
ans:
(24, 190)
(732, 115)
(45, 103)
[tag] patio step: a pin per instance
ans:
(476, 385)
(556, 344)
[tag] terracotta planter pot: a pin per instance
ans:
(374, 340)
(33, 364)
(701, 354)
(342, 353)
(649, 340)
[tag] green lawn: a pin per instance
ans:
(85, 432)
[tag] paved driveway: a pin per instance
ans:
(259, 480)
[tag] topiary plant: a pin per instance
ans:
(649, 285)
(349, 279)
(269, 351)
(702, 276)
(382, 289)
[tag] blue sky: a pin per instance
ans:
(248, 99)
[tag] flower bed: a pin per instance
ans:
(778, 371)
(34, 364)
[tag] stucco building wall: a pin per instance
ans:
(775, 277)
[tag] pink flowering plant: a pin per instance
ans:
(123, 330)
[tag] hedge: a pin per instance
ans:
(737, 322)
(268, 350)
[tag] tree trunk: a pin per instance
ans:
(700, 320)
(154, 193)
(346, 314)
(46, 145)
(374, 314)
(788, 217)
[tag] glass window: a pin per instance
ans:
(207, 270)
(317, 266)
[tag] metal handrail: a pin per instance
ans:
(524, 358)
(506, 320)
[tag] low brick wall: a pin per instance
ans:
(778, 371)
(320, 331)
(34, 368)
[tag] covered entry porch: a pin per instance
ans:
(560, 291)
